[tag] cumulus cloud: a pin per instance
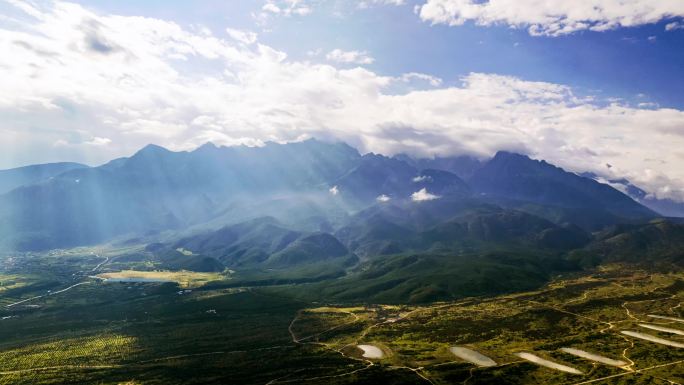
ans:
(287, 7)
(283, 8)
(413, 76)
(648, 105)
(349, 57)
(551, 18)
(423, 195)
(368, 3)
(244, 37)
(421, 178)
(270, 7)
(178, 88)
(674, 26)
(383, 198)
(98, 141)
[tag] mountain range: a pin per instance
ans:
(61, 205)
(384, 227)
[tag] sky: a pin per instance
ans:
(592, 85)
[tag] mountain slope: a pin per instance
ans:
(378, 175)
(264, 243)
(463, 166)
(309, 249)
(516, 180)
(308, 186)
(16, 177)
(417, 278)
(663, 206)
(157, 189)
(658, 241)
(244, 244)
(452, 226)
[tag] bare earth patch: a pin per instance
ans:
(472, 356)
(594, 357)
(666, 318)
(370, 351)
(657, 340)
(663, 329)
(548, 364)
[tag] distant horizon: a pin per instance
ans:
(263, 145)
(433, 157)
(602, 178)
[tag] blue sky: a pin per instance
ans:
(643, 62)
(581, 84)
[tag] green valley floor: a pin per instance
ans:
(62, 323)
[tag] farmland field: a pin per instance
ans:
(149, 332)
(185, 279)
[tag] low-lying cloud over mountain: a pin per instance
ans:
(97, 86)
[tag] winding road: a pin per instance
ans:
(48, 294)
(63, 290)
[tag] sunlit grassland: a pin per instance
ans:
(14, 281)
(147, 333)
(581, 312)
(331, 309)
(15, 287)
(85, 351)
(185, 279)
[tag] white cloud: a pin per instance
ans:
(412, 76)
(334, 190)
(98, 141)
(270, 7)
(421, 178)
(383, 198)
(284, 8)
(423, 195)
(314, 52)
(618, 186)
(287, 7)
(364, 4)
(244, 37)
(60, 88)
(351, 57)
(648, 105)
(551, 17)
(674, 26)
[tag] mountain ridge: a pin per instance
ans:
(158, 190)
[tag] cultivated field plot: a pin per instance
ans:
(569, 332)
(185, 279)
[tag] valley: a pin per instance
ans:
(324, 266)
(151, 332)
(342, 192)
